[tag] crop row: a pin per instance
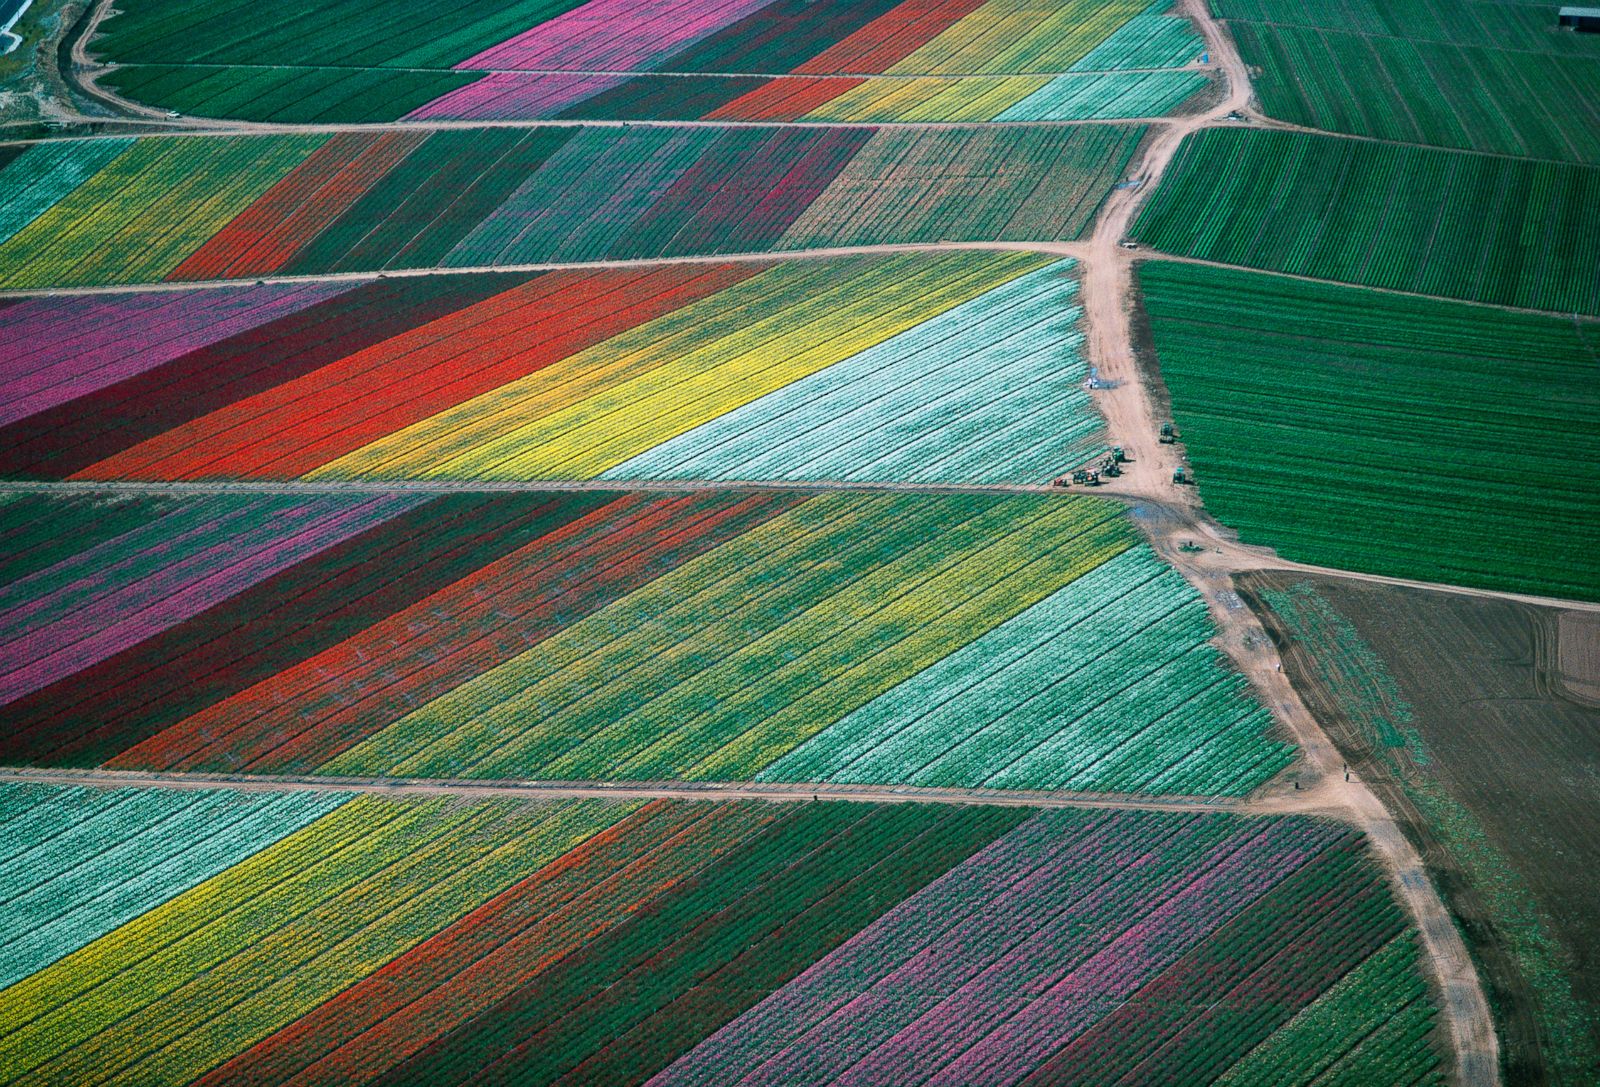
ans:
(93, 212)
(860, 99)
(1469, 96)
(1450, 223)
(1092, 949)
(1001, 374)
(222, 363)
(1403, 421)
(960, 367)
(78, 864)
(1012, 641)
(103, 600)
(728, 58)
(412, 940)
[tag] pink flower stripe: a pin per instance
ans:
(876, 950)
(54, 350)
(614, 35)
(949, 961)
(133, 612)
(1038, 1027)
(1024, 940)
(515, 96)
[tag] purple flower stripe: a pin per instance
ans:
(514, 96)
(862, 960)
(614, 35)
(1084, 996)
(111, 565)
(52, 351)
(959, 953)
(165, 599)
(1075, 927)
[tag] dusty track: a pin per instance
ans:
(643, 790)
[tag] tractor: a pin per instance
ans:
(1168, 434)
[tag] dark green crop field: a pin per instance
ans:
(1401, 436)
(1451, 223)
(1484, 76)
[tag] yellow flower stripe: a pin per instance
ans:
(1006, 36)
(971, 98)
(692, 376)
(655, 619)
(702, 666)
(147, 210)
(264, 967)
(1032, 574)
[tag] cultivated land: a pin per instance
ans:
(1476, 719)
(509, 563)
(1384, 432)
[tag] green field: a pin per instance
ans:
(1479, 227)
(1377, 432)
(1481, 76)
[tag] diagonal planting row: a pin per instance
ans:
(959, 367)
(136, 210)
(959, 639)
(746, 60)
(402, 940)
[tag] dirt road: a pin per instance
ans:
(624, 790)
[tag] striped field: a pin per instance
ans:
(127, 210)
(736, 60)
(1021, 641)
(961, 368)
(406, 940)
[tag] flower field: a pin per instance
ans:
(962, 367)
(1479, 76)
(860, 60)
(130, 210)
(1411, 218)
(1420, 412)
(1009, 641)
(404, 939)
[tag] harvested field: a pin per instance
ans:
(113, 211)
(1393, 435)
(962, 367)
(446, 941)
(1008, 641)
(1382, 215)
(1454, 708)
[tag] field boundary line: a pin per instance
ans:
(622, 790)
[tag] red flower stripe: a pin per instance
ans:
(68, 438)
(783, 99)
(890, 38)
(262, 238)
(500, 946)
(305, 715)
(95, 714)
(295, 427)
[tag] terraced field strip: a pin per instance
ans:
(1415, 219)
(1408, 420)
(369, 201)
(959, 367)
(409, 938)
(582, 635)
(879, 60)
